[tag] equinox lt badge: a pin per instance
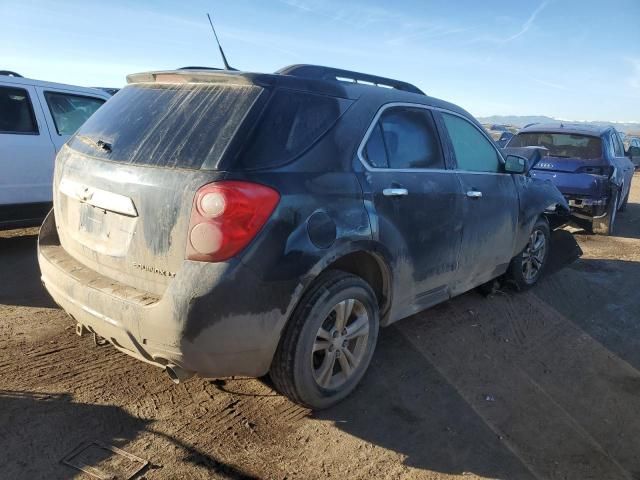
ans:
(159, 271)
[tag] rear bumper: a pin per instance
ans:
(586, 194)
(220, 333)
(576, 184)
(587, 208)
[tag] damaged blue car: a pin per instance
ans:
(589, 166)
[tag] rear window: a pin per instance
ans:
(292, 122)
(167, 125)
(562, 145)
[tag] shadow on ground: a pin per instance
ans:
(538, 384)
(628, 222)
(40, 429)
(601, 297)
(20, 273)
(406, 405)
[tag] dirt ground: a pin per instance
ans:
(544, 384)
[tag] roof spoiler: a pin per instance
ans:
(9, 73)
(338, 75)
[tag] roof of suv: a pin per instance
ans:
(7, 79)
(325, 80)
(570, 128)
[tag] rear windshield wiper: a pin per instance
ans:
(101, 144)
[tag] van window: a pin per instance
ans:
(16, 111)
(473, 151)
(167, 125)
(292, 122)
(69, 111)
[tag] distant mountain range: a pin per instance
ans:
(521, 121)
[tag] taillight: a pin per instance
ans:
(225, 217)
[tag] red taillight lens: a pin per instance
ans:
(225, 217)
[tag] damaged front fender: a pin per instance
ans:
(538, 197)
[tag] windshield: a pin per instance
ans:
(167, 125)
(563, 145)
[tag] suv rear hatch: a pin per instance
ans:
(124, 185)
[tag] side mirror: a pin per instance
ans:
(633, 152)
(515, 164)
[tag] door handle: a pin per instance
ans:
(395, 192)
(474, 194)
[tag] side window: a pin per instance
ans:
(404, 137)
(69, 111)
(472, 149)
(617, 145)
(16, 111)
(375, 152)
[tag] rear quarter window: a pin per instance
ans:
(291, 123)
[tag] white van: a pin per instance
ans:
(36, 119)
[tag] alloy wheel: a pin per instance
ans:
(340, 344)
(533, 255)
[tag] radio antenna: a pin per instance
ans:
(224, 59)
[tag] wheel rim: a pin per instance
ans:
(340, 344)
(533, 255)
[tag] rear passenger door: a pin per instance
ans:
(66, 111)
(490, 203)
(26, 151)
(416, 202)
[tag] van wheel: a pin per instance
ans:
(606, 224)
(527, 267)
(327, 345)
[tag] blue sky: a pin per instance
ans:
(576, 60)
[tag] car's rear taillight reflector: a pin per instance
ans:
(225, 217)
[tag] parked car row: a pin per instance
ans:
(36, 119)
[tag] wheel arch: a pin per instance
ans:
(372, 269)
(367, 260)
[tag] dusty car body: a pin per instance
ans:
(588, 165)
(145, 247)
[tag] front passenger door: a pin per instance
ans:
(490, 201)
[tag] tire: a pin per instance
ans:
(306, 376)
(605, 225)
(527, 267)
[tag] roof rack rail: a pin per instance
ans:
(336, 74)
(9, 73)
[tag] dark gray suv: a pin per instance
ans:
(227, 223)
